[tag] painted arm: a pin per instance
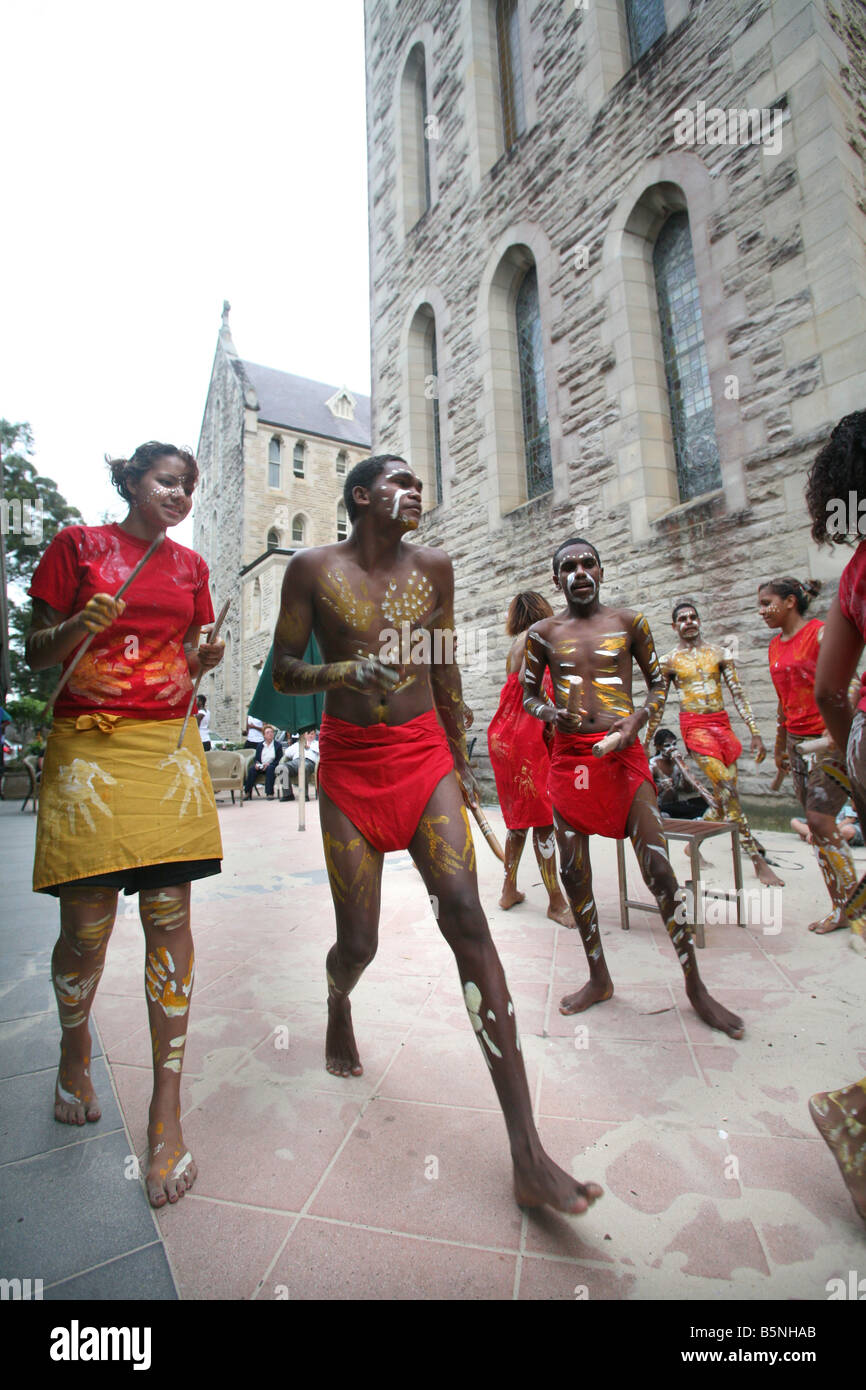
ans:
(656, 718)
(780, 752)
(644, 652)
(201, 656)
(742, 706)
(53, 636)
(294, 676)
(446, 684)
(840, 651)
(535, 698)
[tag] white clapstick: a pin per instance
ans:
(815, 745)
(608, 744)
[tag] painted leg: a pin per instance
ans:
(576, 871)
(355, 876)
(168, 980)
(855, 909)
(837, 867)
(444, 853)
(645, 832)
(514, 842)
(724, 784)
(840, 1118)
(544, 844)
(86, 921)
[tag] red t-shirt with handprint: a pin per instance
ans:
(137, 667)
(852, 601)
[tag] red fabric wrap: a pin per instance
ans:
(520, 760)
(600, 802)
(382, 775)
(710, 734)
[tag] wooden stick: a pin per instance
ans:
(154, 545)
(608, 744)
(213, 636)
(487, 830)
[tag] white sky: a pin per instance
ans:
(159, 158)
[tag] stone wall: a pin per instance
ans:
(778, 245)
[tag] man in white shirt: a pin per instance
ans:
(265, 760)
(291, 763)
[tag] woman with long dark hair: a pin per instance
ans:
(121, 804)
(520, 762)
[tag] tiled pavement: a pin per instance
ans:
(396, 1185)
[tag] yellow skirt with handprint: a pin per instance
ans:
(118, 793)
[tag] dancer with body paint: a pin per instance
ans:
(697, 668)
(120, 805)
(590, 649)
(838, 473)
(821, 784)
(392, 764)
(521, 762)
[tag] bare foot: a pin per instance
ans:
(74, 1100)
(591, 993)
(857, 940)
(510, 897)
(171, 1169)
(559, 911)
(834, 922)
(703, 861)
(341, 1052)
(539, 1182)
(765, 874)
(840, 1118)
(711, 1011)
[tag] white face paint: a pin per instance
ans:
(589, 594)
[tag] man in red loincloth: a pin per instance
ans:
(392, 766)
(593, 647)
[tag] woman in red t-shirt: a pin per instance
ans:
(521, 763)
(838, 476)
(121, 806)
(782, 603)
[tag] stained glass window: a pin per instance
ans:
(274, 462)
(533, 392)
(510, 71)
(645, 20)
(686, 369)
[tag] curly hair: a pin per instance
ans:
(526, 608)
(785, 588)
(132, 470)
(839, 469)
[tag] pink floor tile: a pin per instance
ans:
(542, 1279)
(301, 1063)
(441, 1065)
(649, 1179)
(217, 1250)
(323, 1260)
(715, 1246)
(646, 1013)
(380, 1178)
(604, 1079)
(803, 1168)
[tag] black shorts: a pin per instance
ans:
(147, 876)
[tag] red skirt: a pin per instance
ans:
(710, 735)
(520, 760)
(382, 775)
(595, 794)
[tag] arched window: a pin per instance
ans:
(256, 605)
(299, 530)
(274, 462)
(342, 463)
(645, 21)
(342, 522)
(510, 71)
(533, 391)
(273, 539)
(299, 455)
(425, 449)
(685, 359)
(414, 145)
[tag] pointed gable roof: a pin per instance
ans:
(297, 403)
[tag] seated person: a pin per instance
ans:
(264, 760)
(290, 765)
(680, 795)
(847, 822)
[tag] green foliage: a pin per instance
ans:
(22, 484)
(27, 714)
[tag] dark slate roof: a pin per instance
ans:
(299, 404)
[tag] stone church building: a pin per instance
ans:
(273, 452)
(618, 288)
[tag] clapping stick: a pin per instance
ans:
(608, 744)
(154, 545)
(213, 636)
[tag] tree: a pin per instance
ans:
(32, 511)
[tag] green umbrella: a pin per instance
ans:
(295, 713)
